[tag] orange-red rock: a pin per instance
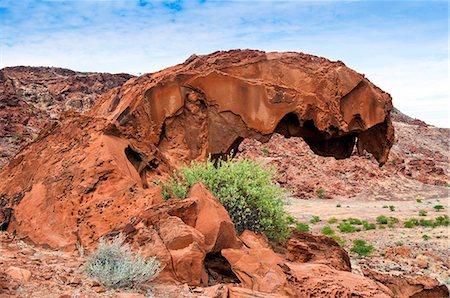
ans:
(304, 247)
(84, 174)
(317, 280)
(410, 286)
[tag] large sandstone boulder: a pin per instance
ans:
(90, 174)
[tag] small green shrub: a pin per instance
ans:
(443, 220)
(338, 239)
(361, 248)
(321, 193)
(411, 223)
(16, 136)
(368, 226)
(114, 266)
(392, 222)
(290, 220)
(338, 205)
(391, 207)
(332, 220)
(423, 213)
(385, 206)
(354, 221)
(398, 243)
(244, 187)
(426, 223)
(347, 228)
(439, 207)
(382, 220)
(418, 200)
(265, 151)
(302, 227)
(315, 219)
(327, 230)
(426, 237)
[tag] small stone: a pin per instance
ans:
(19, 274)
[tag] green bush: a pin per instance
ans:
(392, 221)
(423, 213)
(361, 248)
(290, 220)
(418, 200)
(332, 220)
(265, 151)
(426, 237)
(315, 219)
(320, 193)
(114, 266)
(302, 227)
(327, 230)
(244, 187)
(411, 223)
(382, 220)
(338, 205)
(354, 221)
(439, 207)
(443, 220)
(368, 226)
(391, 207)
(338, 239)
(345, 227)
(426, 223)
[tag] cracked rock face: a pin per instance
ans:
(91, 174)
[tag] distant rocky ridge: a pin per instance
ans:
(31, 97)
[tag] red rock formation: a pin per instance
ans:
(410, 287)
(83, 174)
(31, 97)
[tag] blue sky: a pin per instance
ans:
(401, 46)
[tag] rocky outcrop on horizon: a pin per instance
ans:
(31, 97)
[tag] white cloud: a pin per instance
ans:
(398, 48)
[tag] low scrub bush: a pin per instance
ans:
(345, 227)
(332, 220)
(391, 207)
(418, 200)
(382, 220)
(443, 220)
(423, 213)
(315, 219)
(426, 223)
(321, 193)
(361, 248)
(327, 230)
(354, 221)
(114, 266)
(338, 239)
(411, 223)
(426, 237)
(302, 227)
(368, 226)
(438, 207)
(392, 221)
(244, 187)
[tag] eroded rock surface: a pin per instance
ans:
(31, 97)
(88, 170)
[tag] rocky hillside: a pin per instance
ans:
(31, 97)
(417, 166)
